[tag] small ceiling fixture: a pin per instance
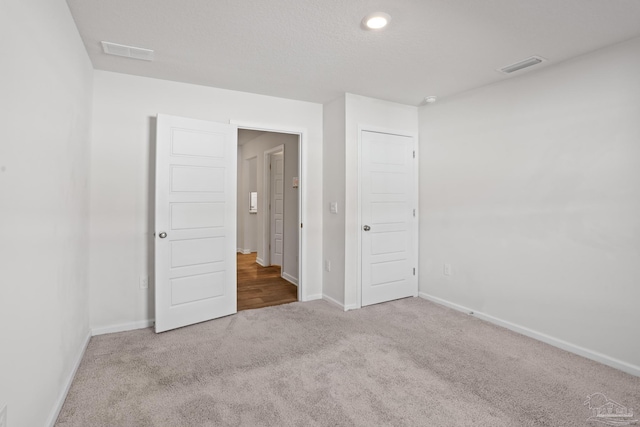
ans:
(127, 51)
(430, 99)
(376, 21)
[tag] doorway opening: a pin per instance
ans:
(268, 218)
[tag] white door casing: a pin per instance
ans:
(387, 217)
(277, 208)
(195, 221)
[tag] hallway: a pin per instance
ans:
(261, 286)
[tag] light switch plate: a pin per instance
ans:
(446, 269)
(144, 282)
(334, 207)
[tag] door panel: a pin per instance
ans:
(197, 251)
(197, 288)
(197, 179)
(195, 264)
(277, 208)
(387, 202)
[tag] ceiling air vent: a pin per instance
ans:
(127, 51)
(526, 63)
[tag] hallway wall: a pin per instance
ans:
(255, 150)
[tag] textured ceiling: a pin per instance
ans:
(315, 50)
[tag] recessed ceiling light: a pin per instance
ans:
(376, 21)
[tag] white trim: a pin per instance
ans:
(261, 262)
(446, 303)
(416, 201)
(556, 342)
(290, 278)
(311, 297)
(333, 301)
(122, 327)
(244, 251)
(351, 307)
(67, 384)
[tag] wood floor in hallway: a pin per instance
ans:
(261, 286)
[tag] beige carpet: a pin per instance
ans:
(403, 363)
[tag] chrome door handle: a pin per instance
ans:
(163, 235)
(366, 228)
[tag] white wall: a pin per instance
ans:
(242, 204)
(372, 113)
(253, 156)
(334, 191)
(530, 188)
(45, 113)
(343, 119)
(121, 207)
(251, 236)
(247, 223)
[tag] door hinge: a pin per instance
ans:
(414, 271)
(300, 225)
(414, 213)
(414, 154)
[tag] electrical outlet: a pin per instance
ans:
(446, 269)
(3, 416)
(327, 265)
(144, 282)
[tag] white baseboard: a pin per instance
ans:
(556, 342)
(122, 327)
(313, 297)
(337, 303)
(446, 303)
(67, 384)
(260, 261)
(290, 278)
(333, 301)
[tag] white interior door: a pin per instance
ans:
(277, 208)
(195, 219)
(388, 223)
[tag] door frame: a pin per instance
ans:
(302, 134)
(266, 200)
(415, 249)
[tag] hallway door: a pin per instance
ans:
(277, 208)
